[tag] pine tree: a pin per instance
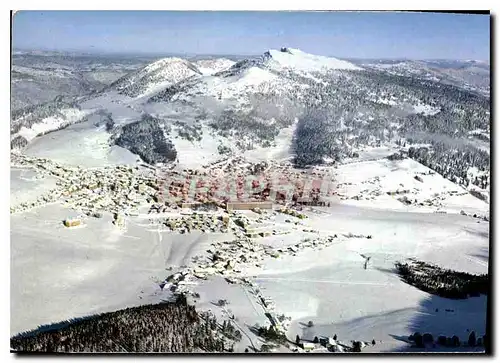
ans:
(472, 339)
(418, 340)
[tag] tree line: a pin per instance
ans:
(442, 282)
(173, 327)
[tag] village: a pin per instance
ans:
(233, 259)
(123, 190)
(247, 216)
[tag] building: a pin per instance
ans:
(72, 222)
(326, 341)
(119, 220)
(248, 205)
(308, 346)
(310, 202)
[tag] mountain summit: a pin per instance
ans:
(296, 59)
(156, 75)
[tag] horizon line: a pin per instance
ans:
(187, 54)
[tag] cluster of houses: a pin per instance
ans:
(114, 189)
(292, 212)
(274, 181)
(307, 243)
(232, 258)
(220, 221)
(398, 192)
(331, 344)
(229, 257)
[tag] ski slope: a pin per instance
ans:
(296, 59)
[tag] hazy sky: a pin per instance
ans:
(341, 34)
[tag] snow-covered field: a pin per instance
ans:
(91, 151)
(80, 144)
(98, 267)
(371, 180)
(330, 286)
(212, 66)
(27, 186)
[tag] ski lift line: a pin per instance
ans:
(327, 281)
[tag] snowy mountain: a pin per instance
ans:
(276, 72)
(327, 107)
(296, 60)
(155, 76)
(40, 78)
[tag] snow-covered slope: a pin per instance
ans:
(277, 72)
(155, 76)
(470, 75)
(233, 86)
(37, 79)
(212, 66)
(68, 116)
(295, 59)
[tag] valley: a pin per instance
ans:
(276, 191)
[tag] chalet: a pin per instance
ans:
(248, 205)
(72, 222)
(308, 346)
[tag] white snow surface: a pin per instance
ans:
(98, 268)
(81, 144)
(70, 116)
(330, 286)
(211, 66)
(299, 60)
(26, 185)
(237, 87)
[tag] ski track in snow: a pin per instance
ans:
(323, 281)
